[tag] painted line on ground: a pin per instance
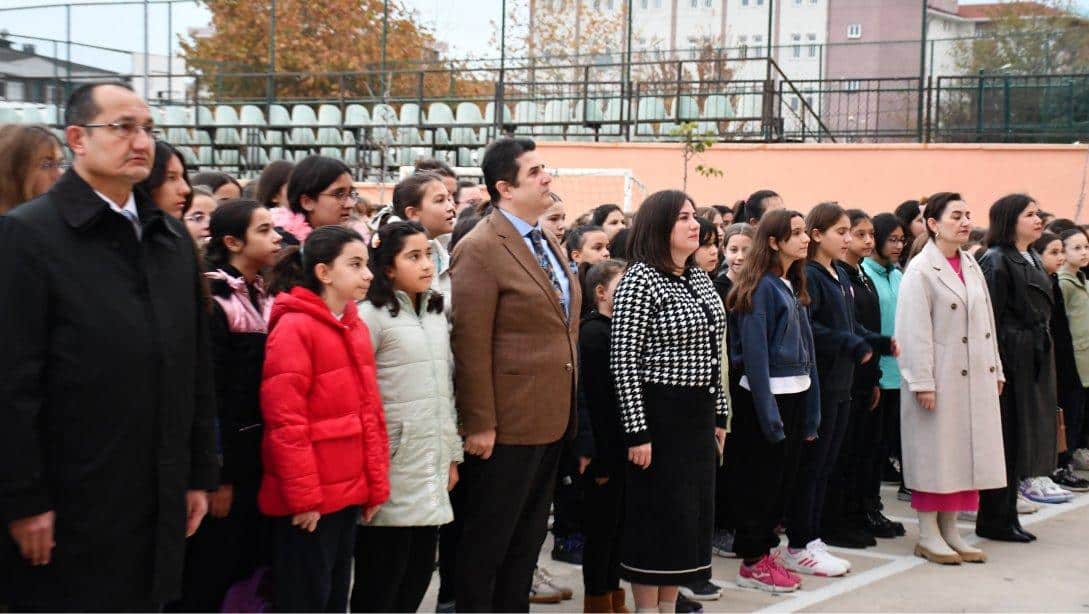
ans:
(800, 600)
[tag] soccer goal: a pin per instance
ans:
(580, 188)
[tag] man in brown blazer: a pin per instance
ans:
(515, 314)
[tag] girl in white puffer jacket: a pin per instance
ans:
(395, 552)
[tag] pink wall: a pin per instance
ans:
(871, 177)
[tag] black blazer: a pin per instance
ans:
(107, 413)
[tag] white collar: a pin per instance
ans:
(130, 204)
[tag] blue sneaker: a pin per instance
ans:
(568, 550)
(722, 544)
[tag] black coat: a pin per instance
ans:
(840, 341)
(1021, 294)
(238, 357)
(1067, 381)
(107, 413)
(599, 390)
(868, 313)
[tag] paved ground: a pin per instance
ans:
(1050, 575)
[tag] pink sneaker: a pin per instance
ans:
(768, 575)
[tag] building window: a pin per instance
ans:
(744, 2)
(853, 86)
(742, 47)
(854, 30)
(796, 48)
(707, 3)
(646, 3)
(15, 91)
(695, 3)
(657, 4)
(809, 101)
(812, 38)
(793, 103)
(797, 2)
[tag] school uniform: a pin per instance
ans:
(604, 503)
(776, 409)
(840, 343)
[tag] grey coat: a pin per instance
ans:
(415, 377)
(946, 331)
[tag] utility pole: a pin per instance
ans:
(270, 89)
(385, 36)
(922, 74)
(147, 56)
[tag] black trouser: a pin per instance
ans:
(603, 519)
(449, 537)
(313, 570)
(393, 567)
(998, 506)
(806, 507)
(223, 551)
(891, 415)
(724, 474)
(505, 513)
(855, 486)
(1072, 401)
(765, 472)
(567, 513)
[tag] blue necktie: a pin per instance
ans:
(537, 239)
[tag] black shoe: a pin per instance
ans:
(703, 590)
(1069, 480)
(685, 605)
(897, 527)
(847, 537)
(890, 472)
(1006, 534)
(877, 525)
(1031, 537)
(904, 494)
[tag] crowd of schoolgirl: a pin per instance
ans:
(742, 371)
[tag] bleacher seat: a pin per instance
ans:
(555, 111)
(652, 119)
(226, 132)
(329, 121)
(303, 122)
(470, 123)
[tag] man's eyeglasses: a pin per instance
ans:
(342, 196)
(128, 130)
(60, 165)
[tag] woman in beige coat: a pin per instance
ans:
(951, 379)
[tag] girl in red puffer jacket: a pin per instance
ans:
(325, 450)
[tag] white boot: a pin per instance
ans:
(932, 546)
(947, 524)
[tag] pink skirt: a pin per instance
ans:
(963, 501)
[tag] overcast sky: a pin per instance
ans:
(465, 30)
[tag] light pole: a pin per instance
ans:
(922, 75)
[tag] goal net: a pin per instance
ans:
(581, 189)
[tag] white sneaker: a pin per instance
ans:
(823, 547)
(1024, 506)
(813, 560)
(1081, 459)
(1052, 488)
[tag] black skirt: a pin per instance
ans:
(670, 506)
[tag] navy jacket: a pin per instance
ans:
(840, 340)
(775, 340)
(868, 314)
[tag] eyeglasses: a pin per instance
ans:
(896, 240)
(128, 130)
(197, 218)
(60, 165)
(342, 196)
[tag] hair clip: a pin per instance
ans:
(376, 241)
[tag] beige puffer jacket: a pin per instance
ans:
(415, 377)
